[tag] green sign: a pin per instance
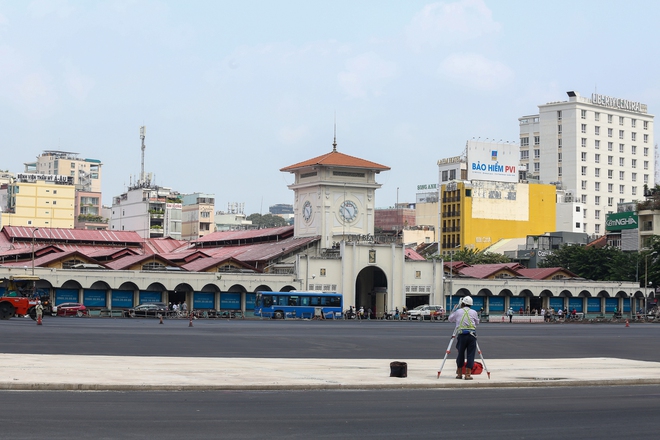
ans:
(621, 220)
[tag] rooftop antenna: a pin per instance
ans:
(334, 142)
(143, 132)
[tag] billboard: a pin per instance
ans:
(621, 220)
(492, 161)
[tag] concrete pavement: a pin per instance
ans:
(101, 373)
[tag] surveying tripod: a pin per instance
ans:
(451, 340)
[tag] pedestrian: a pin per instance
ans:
(369, 313)
(39, 310)
(466, 321)
(510, 314)
(361, 313)
(184, 308)
(396, 313)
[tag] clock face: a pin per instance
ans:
(307, 211)
(348, 211)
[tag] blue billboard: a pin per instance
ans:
(122, 298)
(150, 297)
(496, 304)
(94, 298)
(203, 300)
(65, 296)
(593, 305)
(230, 301)
(611, 304)
(556, 303)
(575, 303)
(517, 303)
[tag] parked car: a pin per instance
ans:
(424, 312)
(148, 309)
(71, 309)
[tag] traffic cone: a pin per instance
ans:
(190, 324)
(39, 320)
(627, 323)
(161, 319)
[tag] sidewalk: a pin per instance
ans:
(61, 372)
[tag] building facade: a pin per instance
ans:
(197, 215)
(601, 149)
(149, 210)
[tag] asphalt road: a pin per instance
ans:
(321, 339)
(539, 413)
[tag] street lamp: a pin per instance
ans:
(646, 270)
(451, 279)
(33, 231)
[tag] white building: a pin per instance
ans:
(600, 149)
(151, 211)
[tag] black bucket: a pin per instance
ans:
(398, 369)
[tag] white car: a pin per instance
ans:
(425, 312)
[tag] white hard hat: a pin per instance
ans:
(467, 300)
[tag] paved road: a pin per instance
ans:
(548, 413)
(321, 339)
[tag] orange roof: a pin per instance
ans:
(337, 159)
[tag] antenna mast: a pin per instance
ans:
(143, 132)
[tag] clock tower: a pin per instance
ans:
(334, 196)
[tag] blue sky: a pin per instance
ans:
(232, 91)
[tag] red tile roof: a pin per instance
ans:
(486, 270)
(413, 255)
(337, 159)
(71, 235)
(545, 273)
(246, 236)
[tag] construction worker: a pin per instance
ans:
(466, 321)
(39, 309)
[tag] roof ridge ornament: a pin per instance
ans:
(334, 142)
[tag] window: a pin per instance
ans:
(622, 189)
(597, 158)
(597, 130)
(584, 214)
(609, 119)
(537, 154)
(597, 116)
(559, 129)
(584, 199)
(610, 160)
(524, 142)
(621, 161)
(584, 184)
(610, 145)
(610, 174)
(597, 228)
(597, 214)
(583, 142)
(584, 171)
(559, 171)
(646, 178)
(610, 187)
(609, 132)
(633, 149)
(559, 157)
(646, 164)
(524, 154)
(620, 120)
(559, 115)
(646, 125)
(634, 190)
(610, 201)
(597, 172)
(537, 167)
(622, 148)
(646, 138)
(646, 151)
(597, 186)
(620, 134)
(633, 177)
(597, 144)
(622, 175)
(537, 140)
(583, 114)
(633, 123)
(558, 143)
(597, 200)
(73, 165)
(633, 136)
(577, 225)
(583, 128)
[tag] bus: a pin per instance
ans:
(279, 305)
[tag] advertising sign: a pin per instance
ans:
(557, 303)
(122, 298)
(593, 305)
(496, 304)
(94, 298)
(250, 299)
(150, 297)
(575, 303)
(203, 300)
(230, 301)
(621, 220)
(493, 161)
(516, 304)
(611, 304)
(65, 296)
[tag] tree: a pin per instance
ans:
(475, 256)
(267, 221)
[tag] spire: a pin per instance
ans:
(334, 142)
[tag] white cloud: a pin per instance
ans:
(475, 71)
(448, 23)
(366, 75)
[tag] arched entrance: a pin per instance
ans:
(370, 291)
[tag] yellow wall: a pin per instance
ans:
(43, 205)
(485, 221)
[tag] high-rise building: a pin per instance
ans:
(197, 215)
(600, 150)
(85, 174)
(151, 211)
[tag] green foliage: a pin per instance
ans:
(473, 256)
(267, 221)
